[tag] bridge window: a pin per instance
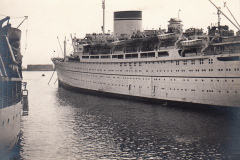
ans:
(85, 57)
(128, 56)
(163, 54)
(148, 55)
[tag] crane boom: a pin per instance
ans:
(224, 15)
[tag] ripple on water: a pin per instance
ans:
(68, 125)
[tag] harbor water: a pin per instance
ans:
(63, 124)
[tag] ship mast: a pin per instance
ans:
(219, 19)
(179, 12)
(219, 10)
(103, 7)
(65, 53)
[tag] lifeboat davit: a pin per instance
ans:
(168, 36)
(192, 43)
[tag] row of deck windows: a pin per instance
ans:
(229, 69)
(185, 62)
(155, 79)
(128, 56)
(174, 89)
(197, 70)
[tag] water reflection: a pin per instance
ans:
(128, 129)
(66, 125)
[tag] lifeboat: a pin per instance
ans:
(168, 36)
(134, 41)
(84, 44)
(150, 39)
(192, 43)
(118, 43)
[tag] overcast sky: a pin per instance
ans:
(48, 19)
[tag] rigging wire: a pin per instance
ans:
(25, 18)
(238, 33)
(11, 16)
(225, 5)
(218, 8)
(52, 75)
(69, 49)
(60, 45)
(26, 36)
(229, 47)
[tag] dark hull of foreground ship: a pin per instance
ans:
(10, 113)
(10, 118)
(10, 87)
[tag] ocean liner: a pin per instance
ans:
(10, 86)
(166, 64)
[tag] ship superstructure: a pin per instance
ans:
(168, 65)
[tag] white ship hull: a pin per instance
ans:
(199, 79)
(168, 65)
(10, 118)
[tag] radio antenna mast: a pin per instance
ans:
(103, 7)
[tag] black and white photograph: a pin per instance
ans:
(119, 80)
